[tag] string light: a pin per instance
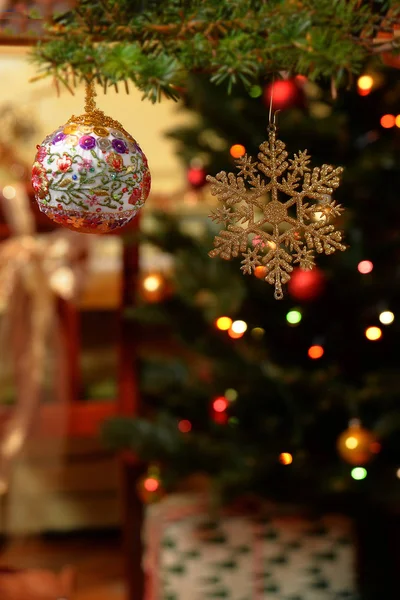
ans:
(237, 150)
(231, 395)
(365, 266)
(365, 83)
(239, 326)
(260, 272)
(184, 426)
(258, 333)
(388, 121)
(315, 352)
(235, 335)
(152, 283)
(397, 122)
(151, 484)
(351, 443)
(386, 317)
(359, 473)
(373, 333)
(285, 458)
(293, 317)
(223, 323)
(255, 91)
(220, 404)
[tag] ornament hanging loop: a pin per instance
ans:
(90, 94)
(272, 115)
(272, 122)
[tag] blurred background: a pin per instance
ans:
(176, 417)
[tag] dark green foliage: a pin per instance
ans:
(285, 401)
(156, 44)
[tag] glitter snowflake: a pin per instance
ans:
(268, 222)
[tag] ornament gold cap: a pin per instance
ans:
(94, 116)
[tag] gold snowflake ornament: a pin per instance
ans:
(268, 222)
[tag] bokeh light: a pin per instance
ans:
(260, 272)
(258, 333)
(386, 317)
(373, 333)
(398, 473)
(239, 327)
(223, 323)
(220, 404)
(237, 150)
(293, 317)
(152, 283)
(365, 266)
(365, 82)
(315, 352)
(184, 426)
(151, 484)
(9, 192)
(359, 473)
(397, 121)
(235, 335)
(388, 121)
(231, 395)
(255, 91)
(285, 458)
(351, 442)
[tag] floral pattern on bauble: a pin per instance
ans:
(97, 183)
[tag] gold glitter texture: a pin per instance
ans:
(267, 229)
(93, 117)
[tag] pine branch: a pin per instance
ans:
(156, 46)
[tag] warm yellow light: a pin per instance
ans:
(386, 317)
(237, 150)
(351, 443)
(9, 192)
(398, 473)
(365, 82)
(152, 283)
(373, 333)
(397, 121)
(285, 458)
(223, 323)
(239, 326)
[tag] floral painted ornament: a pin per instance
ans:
(91, 175)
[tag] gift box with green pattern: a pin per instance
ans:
(275, 554)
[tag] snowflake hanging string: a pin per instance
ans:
(271, 232)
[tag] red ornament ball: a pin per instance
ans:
(356, 445)
(196, 177)
(285, 93)
(306, 285)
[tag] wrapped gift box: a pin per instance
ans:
(275, 554)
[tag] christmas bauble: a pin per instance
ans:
(306, 285)
(285, 93)
(357, 445)
(90, 175)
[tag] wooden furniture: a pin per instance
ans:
(85, 418)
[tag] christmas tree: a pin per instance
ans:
(255, 392)
(292, 400)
